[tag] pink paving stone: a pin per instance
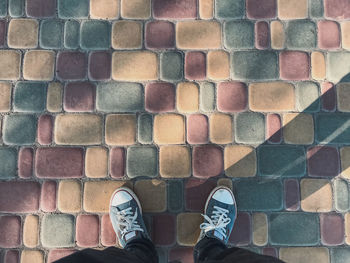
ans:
(71, 65)
(41, 8)
(273, 128)
(79, 96)
(10, 231)
(195, 67)
(181, 254)
(294, 65)
(207, 161)
(328, 35)
(45, 127)
(160, 97)
(25, 163)
(197, 129)
(339, 9)
(48, 196)
(164, 233)
(291, 195)
(241, 232)
(87, 230)
(232, 96)
(197, 192)
(108, 236)
(160, 34)
(117, 162)
(270, 251)
(261, 8)
(2, 32)
(59, 162)
(100, 65)
(332, 229)
(11, 256)
(57, 254)
(174, 9)
(262, 35)
(323, 161)
(329, 97)
(19, 197)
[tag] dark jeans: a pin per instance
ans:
(208, 250)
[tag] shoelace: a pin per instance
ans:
(218, 221)
(126, 221)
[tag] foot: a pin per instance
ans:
(219, 214)
(126, 216)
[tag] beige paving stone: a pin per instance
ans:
(10, 64)
(271, 96)
(38, 65)
(295, 9)
(152, 195)
(318, 65)
(345, 162)
(120, 129)
(206, 9)
(104, 9)
(139, 9)
(188, 228)
(78, 129)
(169, 129)
(218, 65)
(260, 229)
(127, 35)
(187, 97)
(298, 128)
(134, 65)
(343, 97)
(198, 34)
(240, 161)
(220, 128)
(96, 162)
(31, 256)
(23, 33)
(347, 228)
(31, 231)
(5, 96)
(277, 35)
(304, 254)
(345, 34)
(316, 195)
(54, 97)
(174, 161)
(69, 196)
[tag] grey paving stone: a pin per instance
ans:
(340, 255)
(145, 128)
(338, 65)
(332, 128)
(95, 35)
(175, 196)
(171, 66)
(8, 163)
(226, 9)
(73, 8)
(142, 161)
(30, 97)
(207, 96)
(250, 127)
(301, 34)
(239, 34)
(3, 8)
(51, 34)
(71, 34)
(316, 8)
(308, 94)
(19, 129)
(341, 195)
(16, 8)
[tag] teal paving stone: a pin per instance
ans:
(3, 8)
(207, 96)
(95, 35)
(142, 161)
(227, 9)
(250, 127)
(239, 34)
(119, 97)
(16, 8)
(281, 160)
(71, 34)
(308, 96)
(340, 255)
(259, 195)
(57, 230)
(316, 8)
(8, 163)
(51, 34)
(294, 229)
(332, 128)
(262, 65)
(175, 196)
(301, 34)
(338, 66)
(73, 8)
(30, 97)
(341, 195)
(19, 129)
(171, 66)
(145, 128)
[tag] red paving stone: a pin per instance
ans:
(328, 35)
(329, 97)
(294, 65)
(117, 162)
(241, 233)
(87, 231)
(108, 236)
(262, 35)
(164, 233)
(332, 229)
(11, 256)
(79, 96)
(207, 161)
(57, 254)
(195, 67)
(232, 96)
(10, 231)
(41, 8)
(71, 65)
(323, 161)
(196, 193)
(100, 65)
(339, 9)
(160, 97)
(291, 195)
(197, 129)
(273, 128)
(172, 9)
(25, 163)
(160, 34)
(48, 196)
(45, 128)
(258, 9)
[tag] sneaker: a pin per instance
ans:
(126, 216)
(219, 214)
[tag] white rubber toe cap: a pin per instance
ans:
(121, 197)
(223, 196)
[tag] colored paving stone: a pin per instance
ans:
(152, 194)
(38, 65)
(175, 196)
(195, 65)
(32, 256)
(218, 65)
(301, 35)
(273, 128)
(260, 229)
(307, 96)
(100, 65)
(139, 9)
(16, 8)
(294, 65)
(10, 228)
(95, 35)
(341, 195)
(169, 129)
(159, 35)
(79, 96)
(31, 231)
(160, 97)
(258, 9)
(262, 36)
(304, 254)
(207, 95)
(71, 34)
(10, 256)
(197, 129)
(318, 65)
(48, 196)
(56, 254)
(8, 164)
(71, 65)
(188, 228)
(226, 9)
(232, 96)
(145, 128)
(207, 161)
(73, 8)
(29, 97)
(120, 129)
(117, 162)
(54, 97)
(108, 236)
(69, 196)
(298, 128)
(338, 66)
(171, 66)
(51, 34)
(241, 233)
(332, 128)
(240, 161)
(96, 160)
(2, 32)
(328, 35)
(316, 8)
(338, 9)
(187, 97)
(345, 34)
(174, 162)
(292, 9)
(25, 163)
(142, 161)
(332, 229)
(316, 195)
(259, 195)
(277, 35)
(291, 195)
(196, 193)
(19, 129)
(178, 10)
(105, 9)
(206, 9)
(41, 8)
(126, 35)
(239, 34)
(340, 255)
(347, 228)
(250, 128)
(323, 161)
(345, 159)
(10, 66)
(220, 128)
(343, 97)
(23, 33)
(87, 231)
(328, 99)
(164, 230)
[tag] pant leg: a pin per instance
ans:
(140, 251)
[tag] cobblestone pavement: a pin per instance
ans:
(172, 98)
